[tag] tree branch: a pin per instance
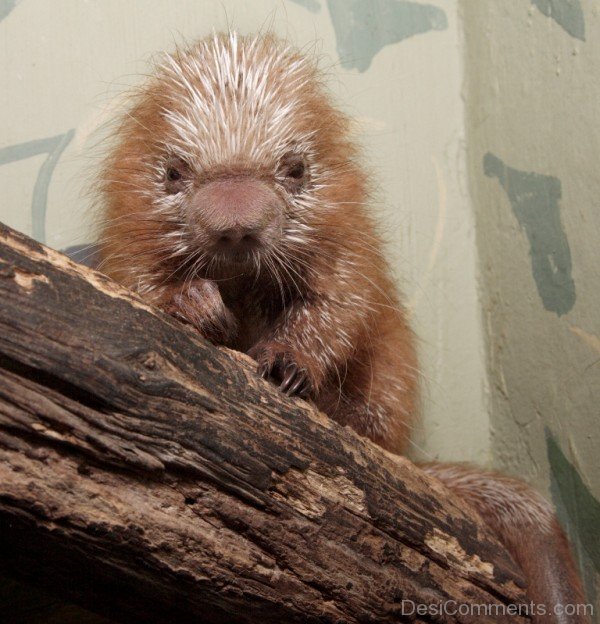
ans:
(153, 477)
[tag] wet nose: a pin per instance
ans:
(237, 213)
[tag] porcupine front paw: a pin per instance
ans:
(285, 367)
(201, 305)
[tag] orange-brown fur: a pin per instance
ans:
(329, 316)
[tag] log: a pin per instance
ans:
(152, 477)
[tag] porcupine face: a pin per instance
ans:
(230, 158)
(239, 157)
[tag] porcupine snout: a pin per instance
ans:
(237, 215)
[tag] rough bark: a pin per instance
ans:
(155, 478)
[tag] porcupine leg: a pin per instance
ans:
(200, 304)
(524, 522)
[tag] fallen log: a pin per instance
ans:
(153, 477)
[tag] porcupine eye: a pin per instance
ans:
(294, 172)
(176, 175)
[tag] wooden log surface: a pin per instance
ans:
(153, 477)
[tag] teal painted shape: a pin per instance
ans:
(6, 6)
(312, 5)
(364, 27)
(573, 497)
(535, 201)
(54, 147)
(566, 13)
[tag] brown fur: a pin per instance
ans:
(326, 323)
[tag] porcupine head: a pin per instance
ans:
(231, 162)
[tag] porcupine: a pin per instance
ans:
(234, 199)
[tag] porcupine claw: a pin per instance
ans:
(295, 381)
(263, 370)
(277, 364)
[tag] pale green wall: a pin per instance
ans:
(533, 130)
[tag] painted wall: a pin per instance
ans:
(479, 122)
(533, 131)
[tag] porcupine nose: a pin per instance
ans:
(237, 212)
(238, 237)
